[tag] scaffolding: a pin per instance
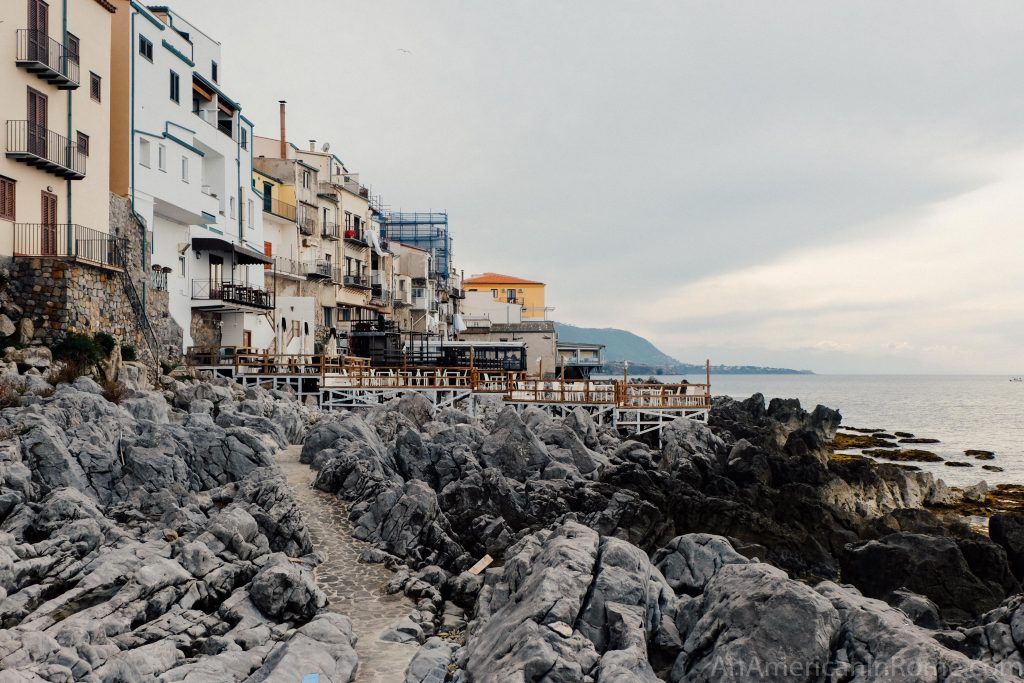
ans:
(426, 230)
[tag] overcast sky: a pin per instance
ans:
(827, 185)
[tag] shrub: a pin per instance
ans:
(68, 373)
(128, 352)
(79, 349)
(106, 342)
(10, 394)
(115, 392)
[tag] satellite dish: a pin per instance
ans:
(326, 147)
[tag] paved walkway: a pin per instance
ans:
(353, 588)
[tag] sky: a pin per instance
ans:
(831, 186)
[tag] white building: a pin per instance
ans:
(191, 183)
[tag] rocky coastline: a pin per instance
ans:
(155, 538)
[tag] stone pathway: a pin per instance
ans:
(353, 588)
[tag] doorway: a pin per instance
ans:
(36, 123)
(48, 224)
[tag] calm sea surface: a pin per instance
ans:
(976, 412)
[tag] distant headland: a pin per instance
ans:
(622, 346)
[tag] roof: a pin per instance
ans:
(498, 279)
(107, 6)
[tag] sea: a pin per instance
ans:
(963, 412)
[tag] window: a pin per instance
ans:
(346, 314)
(231, 204)
(181, 266)
(184, 169)
(494, 293)
(244, 137)
(6, 198)
(161, 157)
(144, 154)
(145, 47)
(83, 143)
(73, 48)
(175, 87)
(95, 87)
(250, 209)
(328, 316)
(305, 179)
(213, 71)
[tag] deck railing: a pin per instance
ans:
(67, 240)
(350, 372)
(229, 291)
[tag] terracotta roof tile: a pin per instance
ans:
(498, 279)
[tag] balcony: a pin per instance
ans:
(358, 281)
(287, 267)
(231, 294)
(319, 270)
(327, 189)
(217, 119)
(355, 236)
(48, 59)
(68, 241)
(280, 209)
(331, 231)
(307, 224)
(44, 149)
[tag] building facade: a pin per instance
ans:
(54, 175)
(182, 151)
(527, 294)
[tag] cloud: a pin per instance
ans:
(945, 286)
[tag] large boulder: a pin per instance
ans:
(283, 590)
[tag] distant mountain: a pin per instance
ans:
(645, 357)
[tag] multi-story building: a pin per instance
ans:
(331, 268)
(527, 294)
(55, 171)
(182, 150)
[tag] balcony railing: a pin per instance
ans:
(355, 235)
(288, 266)
(307, 223)
(378, 293)
(331, 231)
(36, 146)
(47, 59)
(327, 189)
(212, 118)
(231, 292)
(278, 208)
(356, 281)
(319, 269)
(70, 241)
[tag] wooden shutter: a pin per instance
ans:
(268, 250)
(7, 195)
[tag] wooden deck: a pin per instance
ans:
(345, 382)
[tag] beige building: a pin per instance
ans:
(55, 60)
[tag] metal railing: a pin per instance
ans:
(230, 291)
(278, 208)
(355, 281)
(38, 146)
(378, 293)
(356, 235)
(288, 266)
(211, 117)
(48, 58)
(67, 240)
(331, 231)
(307, 222)
(319, 268)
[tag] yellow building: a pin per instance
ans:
(528, 294)
(55, 172)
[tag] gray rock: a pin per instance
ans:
(689, 562)
(26, 331)
(430, 663)
(282, 590)
(7, 327)
(38, 357)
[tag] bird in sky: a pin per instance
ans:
(402, 49)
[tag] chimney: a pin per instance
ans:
(284, 140)
(312, 145)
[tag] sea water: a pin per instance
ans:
(962, 411)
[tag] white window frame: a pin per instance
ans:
(184, 169)
(161, 157)
(145, 153)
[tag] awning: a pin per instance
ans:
(242, 255)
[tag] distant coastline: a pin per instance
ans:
(616, 367)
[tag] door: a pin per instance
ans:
(247, 339)
(38, 31)
(36, 124)
(216, 276)
(267, 199)
(48, 224)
